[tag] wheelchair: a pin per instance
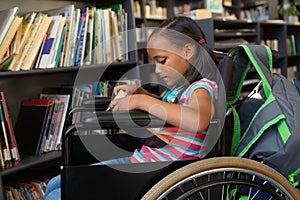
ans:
(217, 176)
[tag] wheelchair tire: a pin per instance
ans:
(223, 178)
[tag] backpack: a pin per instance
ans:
(266, 125)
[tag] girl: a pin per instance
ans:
(185, 63)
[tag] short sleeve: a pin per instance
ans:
(204, 83)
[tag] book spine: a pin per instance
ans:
(74, 38)
(81, 39)
(29, 42)
(6, 150)
(33, 51)
(57, 126)
(14, 147)
(2, 163)
(60, 51)
(54, 52)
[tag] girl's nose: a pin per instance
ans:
(157, 68)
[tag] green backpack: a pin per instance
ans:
(266, 124)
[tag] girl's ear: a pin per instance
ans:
(189, 50)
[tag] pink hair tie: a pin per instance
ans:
(202, 41)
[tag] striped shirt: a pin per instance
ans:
(182, 145)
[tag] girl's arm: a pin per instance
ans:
(194, 118)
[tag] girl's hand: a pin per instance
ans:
(128, 89)
(125, 103)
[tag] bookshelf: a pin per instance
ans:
(146, 22)
(294, 60)
(20, 85)
(229, 33)
(276, 31)
(252, 10)
(281, 31)
(148, 14)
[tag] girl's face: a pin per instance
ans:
(171, 61)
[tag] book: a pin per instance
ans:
(89, 36)
(13, 144)
(8, 38)
(28, 19)
(69, 13)
(58, 44)
(5, 143)
(6, 18)
(28, 42)
(58, 61)
(50, 131)
(37, 62)
(62, 111)
(2, 158)
(81, 37)
(291, 45)
(25, 28)
(30, 125)
(50, 48)
(107, 34)
(73, 39)
(63, 90)
(38, 38)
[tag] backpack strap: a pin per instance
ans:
(236, 135)
(261, 58)
(239, 69)
(292, 176)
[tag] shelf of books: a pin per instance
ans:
(230, 33)
(293, 50)
(52, 60)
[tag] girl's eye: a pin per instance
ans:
(163, 61)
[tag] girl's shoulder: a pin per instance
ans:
(204, 83)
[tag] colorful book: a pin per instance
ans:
(60, 118)
(6, 142)
(13, 144)
(60, 51)
(81, 37)
(69, 13)
(50, 48)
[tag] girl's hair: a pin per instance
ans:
(181, 30)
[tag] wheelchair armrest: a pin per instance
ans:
(117, 119)
(127, 119)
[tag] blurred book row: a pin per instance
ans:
(29, 186)
(151, 10)
(62, 37)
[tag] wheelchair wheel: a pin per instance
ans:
(223, 178)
